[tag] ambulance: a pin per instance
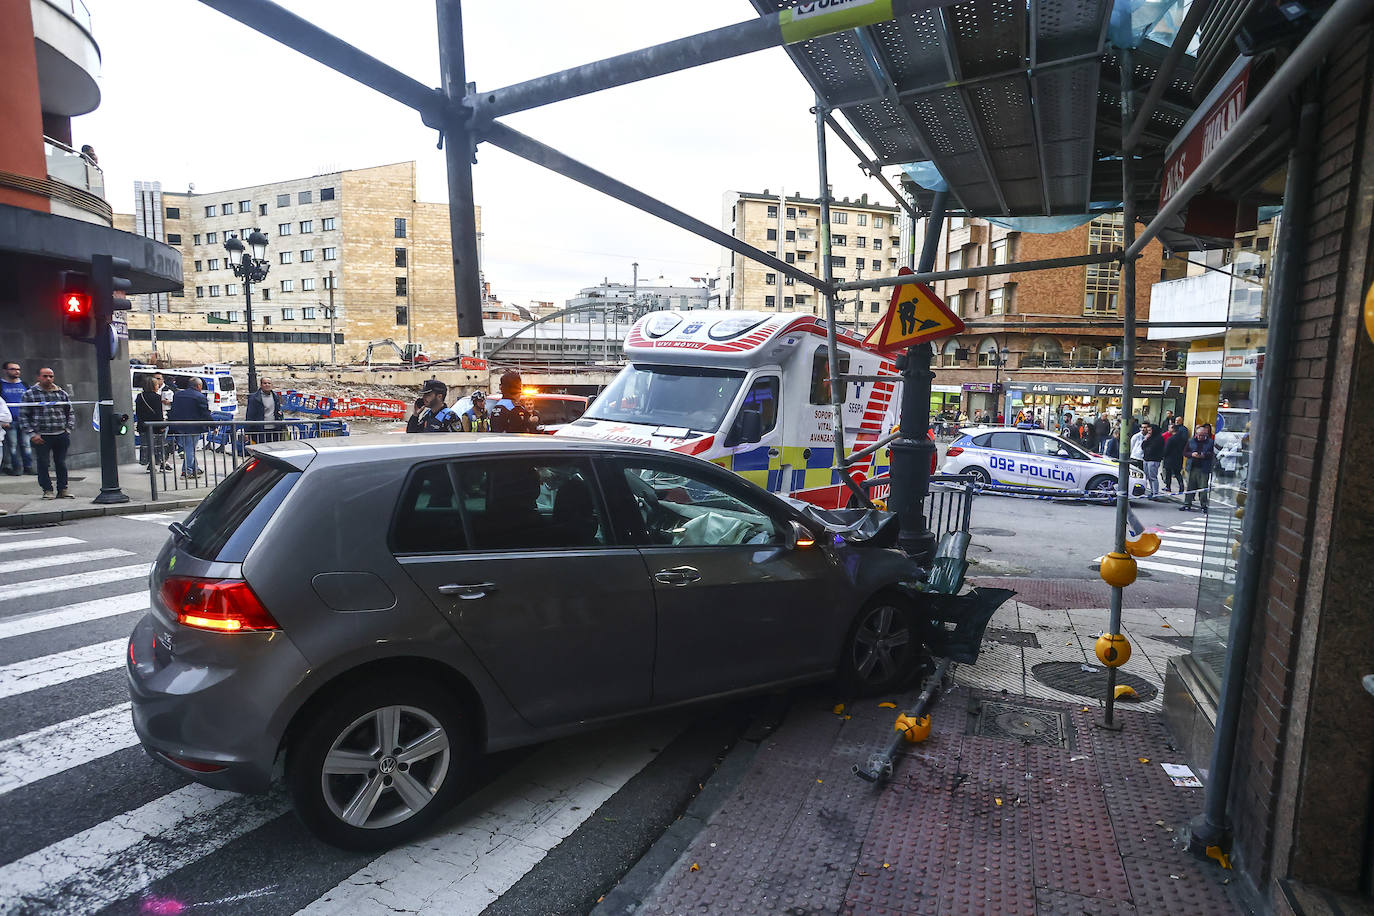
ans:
(749, 391)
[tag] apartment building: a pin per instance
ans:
(1002, 367)
(865, 243)
(359, 239)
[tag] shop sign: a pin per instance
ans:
(1059, 388)
(1140, 391)
(1203, 136)
(1204, 362)
(982, 386)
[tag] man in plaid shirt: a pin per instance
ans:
(47, 419)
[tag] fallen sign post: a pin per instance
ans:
(914, 315)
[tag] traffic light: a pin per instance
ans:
(122, 425)
(76, 305)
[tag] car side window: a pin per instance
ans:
(762, 396)
(429, 520)
(517, 503)
(1048, 446)
(1007, 442)
(683, 510)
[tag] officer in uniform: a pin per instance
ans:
(432, 415)
(508, 415)
(475, 418)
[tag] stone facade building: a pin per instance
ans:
(360, 234)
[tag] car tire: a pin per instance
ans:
(872, 663)
(978, 474)
(1101, 487)
(368, 809)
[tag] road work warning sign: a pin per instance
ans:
(914, 316)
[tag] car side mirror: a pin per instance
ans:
(748, 426)
(799, 537)
(1063, 453)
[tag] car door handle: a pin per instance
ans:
(468, 591)
(679, 575)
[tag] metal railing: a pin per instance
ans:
(71, 168)
(948, 505)
(214, 448)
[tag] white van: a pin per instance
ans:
(219, 384)
(749, 391)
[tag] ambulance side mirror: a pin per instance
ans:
(748, 426)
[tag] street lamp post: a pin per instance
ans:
(999, 359)
(251, 267)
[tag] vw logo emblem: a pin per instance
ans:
(388, 764)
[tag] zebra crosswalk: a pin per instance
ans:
(92, 824)
(1186, 549)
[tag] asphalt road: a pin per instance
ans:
(96, 826)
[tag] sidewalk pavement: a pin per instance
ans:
(21, 497)
(1016, 804)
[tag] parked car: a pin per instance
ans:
(381, 611)
(1031, 458)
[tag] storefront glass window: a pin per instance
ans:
(1228, 406)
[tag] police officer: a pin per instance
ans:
(432, 415)
(508, 415)
(475, 419)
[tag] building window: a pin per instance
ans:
(288, 314)
(400, 228)
(307, 226)
(231, 316)
(174, 213)
(802, 213)
(327, 224)
(262, 209)
(226, 209)
(266, 320)
(790, 257)
(195, 239)
(997, 303)
(1103, 281)
(873, 307)
(308, 284)
(245, 206)
(842, 240)
(212, 264)
(288, 286)
(326, 194)
(862, 241)
(838, 260)
(787, 302)
(211, 238)
(283, 200)
(266, 292)
(839, 219)
(331, 282)
(283, 228)
(772, 211)
(210, 210)
(861, 219)
(331, 254)
(308, 313)
(770, 279)
(400, 286)
(772, 235)
(200, 292)
(402, 314)
(803, 300)
(400, 257)
(949, 355)
(1001, 251)
(305, 197)
(877, 244)
(791, 212)
(788, 280)
(955, 260)
(285, 257)
(791, 235)
(198, 267)
(770, 301)
(307, 255)
(214, 290)
(877, 264)
(231, 289)
(877, 222)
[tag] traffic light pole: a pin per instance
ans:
(103, 283)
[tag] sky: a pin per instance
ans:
(192, 96)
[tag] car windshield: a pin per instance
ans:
(693, 397)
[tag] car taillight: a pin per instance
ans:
(954, 450)
(221, 605)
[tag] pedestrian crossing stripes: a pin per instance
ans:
(81, 612)
(1185, 550)
(49, 751)
(157, 518)
(63, 559)
(76, 580)
(49, 670)
(38, 544)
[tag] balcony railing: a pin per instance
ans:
(75, 9)
(71, 168)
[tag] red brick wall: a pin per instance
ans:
(1270, 752)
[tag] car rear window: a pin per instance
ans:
(229, 520)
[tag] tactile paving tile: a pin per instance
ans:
(1001, 888)
(1058, 903)
(1178, 883)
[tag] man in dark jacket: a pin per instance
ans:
(264, 405)
(432, 415)
(1173, 457)
(1198, 451)
(1103, 428)
(190, 405)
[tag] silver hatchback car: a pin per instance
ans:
(381, 609)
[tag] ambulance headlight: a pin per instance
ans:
(661, 323)
(733, 327)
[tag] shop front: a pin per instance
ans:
(946, 401)
(1049, 402)
(982, 396)
(1222, 378)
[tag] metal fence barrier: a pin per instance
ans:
(198, 454)
(948, 505)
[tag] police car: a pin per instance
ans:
(1033, 458)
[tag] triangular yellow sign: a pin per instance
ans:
(914, 316)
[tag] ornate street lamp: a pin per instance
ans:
(251, 267)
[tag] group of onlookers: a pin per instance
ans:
(1158, 449)
(37, 421)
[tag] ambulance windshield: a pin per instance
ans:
(694, 397)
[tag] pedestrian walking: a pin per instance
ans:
(1174, 445)
(1112, 447)
(18, 453)
(1152, 451)
(264, 405)
(1103, 427)
(1199, 452)
(1089, 434)
(148, 409)
(47, 420)
(1137, 455)
(190, 407)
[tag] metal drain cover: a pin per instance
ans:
(1027, 724)
(993, 532)
(1071, 678)
(1020, 638)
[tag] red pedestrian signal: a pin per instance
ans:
(77, 306)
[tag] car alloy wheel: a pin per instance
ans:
(1101, 486)
(385, 767)
(883, 647)
(978, 474)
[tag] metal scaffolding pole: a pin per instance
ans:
(462, 207)
(512, 141)
(871, 166)
(927, 276)
(1165, 76)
